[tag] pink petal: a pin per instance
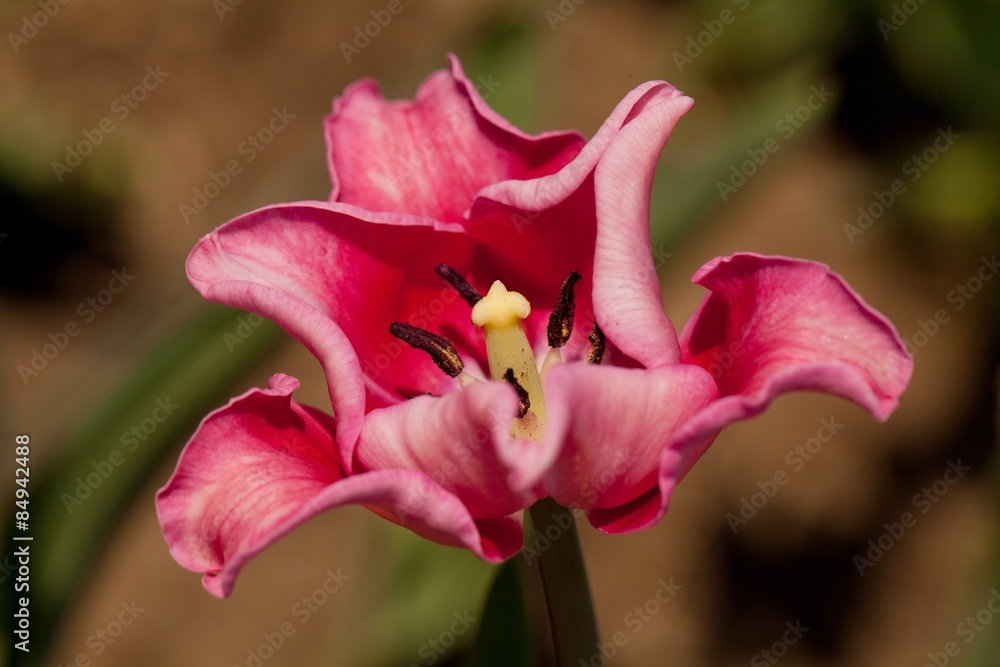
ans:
(627, 295)
(430, 157)
(774, 324)
(263, 464)
(599, 199)
(336, 277)
(608, 427)
(454, 439)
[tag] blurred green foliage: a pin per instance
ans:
(72, 519)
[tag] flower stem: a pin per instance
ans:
(564, 580)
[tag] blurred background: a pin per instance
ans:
(862, 134)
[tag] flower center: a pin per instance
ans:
(510, 356)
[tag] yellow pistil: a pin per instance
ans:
(500, 313)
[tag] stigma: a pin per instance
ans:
(511, 359)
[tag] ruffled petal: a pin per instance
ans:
(457, 440)
(600, 199)
(264, 464)
(771, 325)
(336, 277)
(774, 324)
(430, 156)
(608, 427)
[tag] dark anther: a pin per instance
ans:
(596, 339)
(461, 285)
(561, 319)
(522, 393)
(442, 350)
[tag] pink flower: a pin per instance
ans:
(444, 180)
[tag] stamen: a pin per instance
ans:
(524, 402)
(561, 320)
(442, 350)
(596, 339)
(461, 285)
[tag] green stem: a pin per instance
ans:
(564, 580)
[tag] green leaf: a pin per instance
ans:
(504, 636)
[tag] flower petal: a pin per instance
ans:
(774, 324)
(608, 182)
(430, 156)
(335, 277)
(455, 439)
(608, 427)
(627, 295)
(771, 325)
(263, 464)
